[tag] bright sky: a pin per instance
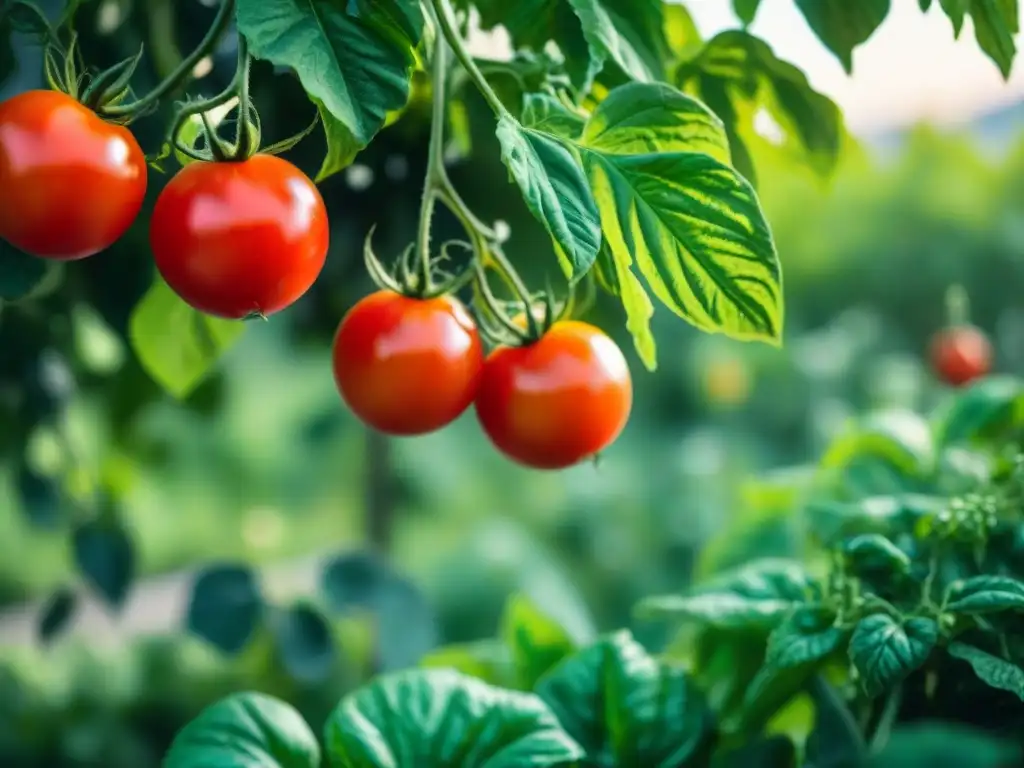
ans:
(911, 69)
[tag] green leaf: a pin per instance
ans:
(884, 652)
(699, 238)
(627, 32)
(555, 191)
(901, 438)
(354, 59)
(874, 551)
(681, 34)
(488, 660)
(547, 114)
(986, 594)
(247, 730)
(983, 410)
(105, 556)
(627, 708)
(20, 273)
(638, 118)
(177, 345)
(842, 25)
(440, 717)
(635, 301)
(990, 669)
(836, 740)
(305, 642)
(757, 596)
(58, 611)
(537, 641)
(926, 745)
(745, 10)
(354, 580)
(226, 607)
(956, 10)
(737, 73)
(996, 22)
(40, 497)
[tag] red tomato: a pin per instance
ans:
(70, 183)
(557, 401)
(236, 239)
(407, 366)
(961, 354)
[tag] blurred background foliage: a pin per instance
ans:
(262, 465)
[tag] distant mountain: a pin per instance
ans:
(994, 131)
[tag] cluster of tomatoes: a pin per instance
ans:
(248, 238)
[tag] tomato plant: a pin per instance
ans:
(554, 402)
(70, 183)
(407, 366)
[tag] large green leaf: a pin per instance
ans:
(555, 191)
(990, 669)
(697, 234)
(984, 410)
(986, 594)
(884, 651)
(354, 59)
(626, 32)
(620, 280)
(247, 730)
(996, 23)
(627, 708)
(737, 72)
(757, 596)
(843, 25)
(536, 640)
(546, 114)
(639, 118)
(177, 345)
(440, 717)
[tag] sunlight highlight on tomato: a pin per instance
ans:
(70, 183)
(236, 239)
(557, 401)
(407, 366)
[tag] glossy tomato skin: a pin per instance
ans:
(70, 183)
(960, 354)
(236, 239)
(407, 366)
(557, 401)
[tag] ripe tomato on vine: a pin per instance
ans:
(236, 239)
(960, 354)
(70, 183)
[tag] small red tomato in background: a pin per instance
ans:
(960, 354)
(235, 239)
(559, 400)
(407, 366)
(70, 183)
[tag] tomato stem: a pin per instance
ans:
(181, 73)
(443, 12)
(435, 161)
(958, 306)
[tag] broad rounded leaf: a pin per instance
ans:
(884, 651)
(354, 58)
(105, 556)
(555, 191)
(807, 636)
(627, 708)
(305, 642)
(247, 730)
(177, 345)
(901, 438)
(440, 717)
(698, 236)
(986, 594)
(983, 410)
(874, 551)
(226, 607)
(842, 25)
(58, 611)
(537, 641)
(626, 32)
(638, 118)
(990, 669)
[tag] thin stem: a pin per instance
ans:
(435, 161)
(244, 142)
(443, 12)
(183, 70)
